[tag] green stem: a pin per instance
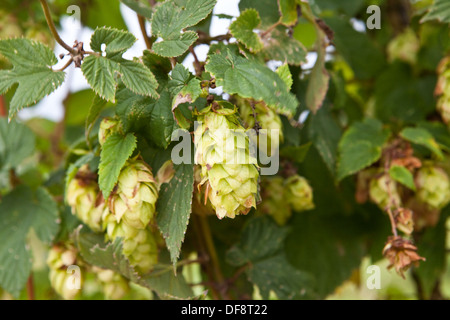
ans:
(148, 42)
(51, 25)
(206, 231)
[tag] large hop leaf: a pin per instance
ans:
(227, 166)
(32, 70)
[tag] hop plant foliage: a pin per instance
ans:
(321, 164)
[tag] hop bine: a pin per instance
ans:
(228, 169)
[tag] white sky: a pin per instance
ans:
(51, 107)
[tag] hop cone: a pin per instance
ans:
(443, 89)
(84, 198)
(404, 47)
(267, 119)
(62, 282)
(131, 215)
(108, 126)
(274, 202)
(433, 186)
(379, 191)
(139, 245)
(134, 198)
(222, 149)
(299, 193)
(114, 285)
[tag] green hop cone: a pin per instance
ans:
(64, 282)
(85, 199)
(299, 193)
(433, 186)
(267, 119)
(135, 195)
(108, 126)
(443, 89)
(274, 200)
(139, 245)
(114, 285)
(228, 169)
(404, 47)
(379, 191)
(443, 107)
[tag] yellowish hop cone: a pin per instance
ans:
(134, 199)
(85, 199)
(228, 170)
(380, 188)
(268, 119)
(63, 282)
(114, 285)
(299, 193)
(433, 186)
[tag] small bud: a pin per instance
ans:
(108, 126)
(299, 193)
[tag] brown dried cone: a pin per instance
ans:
(404, 220)
(401, 253)
(62, 280)
(424, 215)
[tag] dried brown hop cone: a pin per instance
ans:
(401, 254)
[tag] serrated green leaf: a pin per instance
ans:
(32, 70)
(100, 72)
(184, 88)
(360, 146)
(159, 66)
(17, 142)
(109, 256)
(250, 79)
(22, 210)
(115, 152)
(139, 6)
(173, 16)
(176, 46)
(174, 208)
(268, 10)
(285, 74)
(138, 78)
(242, 29)
(422, 137)
(402, 175)
(280, 46)
(325, 134)
(277, 275)
(439, 10)
(96, 107)
(261, 247)
(153, 118)
(115, 40)
(288, 10)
